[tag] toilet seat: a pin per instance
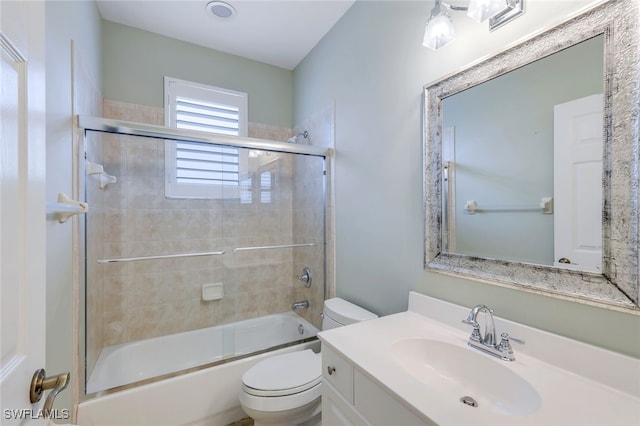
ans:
(287, 382)
(282, 375)
(271, 404)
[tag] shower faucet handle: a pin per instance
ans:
(306, 277)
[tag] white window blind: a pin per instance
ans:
(202, 170)
(194, 114)
(200, 163)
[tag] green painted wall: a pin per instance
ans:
(136, 61)
(373, 66)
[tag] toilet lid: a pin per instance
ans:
(284, 374)
(346, 313)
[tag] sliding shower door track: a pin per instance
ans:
(106, 125)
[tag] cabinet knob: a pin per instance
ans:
(331, 370)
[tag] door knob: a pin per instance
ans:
(41, 383)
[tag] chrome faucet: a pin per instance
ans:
(487, 342)
(303, 304)
(489, 337)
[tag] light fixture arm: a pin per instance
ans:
(437, 8)
(513, 9)
(453, 7)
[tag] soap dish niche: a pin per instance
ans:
(212, 291)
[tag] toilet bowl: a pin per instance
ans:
(286, 389)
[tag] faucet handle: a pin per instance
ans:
(306, 277)
(475, 334)
(505, 346)
(511, 338)
(471, 322)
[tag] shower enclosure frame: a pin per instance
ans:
(87, 124)
(130, 128)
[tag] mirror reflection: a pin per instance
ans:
(614, 241)
(522, 163)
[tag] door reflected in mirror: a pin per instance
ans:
(522, 156)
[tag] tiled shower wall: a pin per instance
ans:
(307, 208)
(138, 300)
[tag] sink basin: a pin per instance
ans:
(467, 375)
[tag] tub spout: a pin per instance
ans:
(303, 304)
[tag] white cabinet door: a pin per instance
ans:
(22, 206)
(336, 411)
(338, 372)
(349, 398)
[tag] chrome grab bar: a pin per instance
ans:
(205, 253)
(235, 250)
(162, 256)
(545, 207)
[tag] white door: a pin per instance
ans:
(577, 184)
(22, 206)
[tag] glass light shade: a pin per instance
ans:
(481, 10)
(438, 32)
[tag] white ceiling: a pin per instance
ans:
(275, 32)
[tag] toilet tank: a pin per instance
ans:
(339, 312)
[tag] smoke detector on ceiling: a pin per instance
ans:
(221, 10)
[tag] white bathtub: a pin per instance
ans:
(136, 361)
(207, 397)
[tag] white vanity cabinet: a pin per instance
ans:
(416, 368)
(351, 398)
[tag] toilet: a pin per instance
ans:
(285, 389)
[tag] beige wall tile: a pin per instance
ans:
(133, 218)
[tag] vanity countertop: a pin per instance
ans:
(570, 383)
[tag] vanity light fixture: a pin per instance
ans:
(439, 30)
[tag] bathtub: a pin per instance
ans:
(145, 359)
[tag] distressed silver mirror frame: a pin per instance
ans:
(617, 287)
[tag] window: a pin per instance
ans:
(265, 187)
(203, 170)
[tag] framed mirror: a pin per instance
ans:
(510, 197)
